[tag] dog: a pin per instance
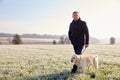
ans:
(84, 61)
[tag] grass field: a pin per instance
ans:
(52, 62)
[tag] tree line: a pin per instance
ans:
(62, 40)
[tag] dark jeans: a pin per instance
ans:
(77, 48)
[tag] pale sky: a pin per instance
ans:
(54, 16)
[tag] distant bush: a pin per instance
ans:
(17, 39)
(112, 40)
(54, 42)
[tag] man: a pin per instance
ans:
(79, 35)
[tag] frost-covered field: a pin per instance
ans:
(52, 62)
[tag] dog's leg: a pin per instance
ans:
(88, 68)
(83, 68)
(96, 62)
(96, 65)
(79, 69)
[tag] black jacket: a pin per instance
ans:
(78, 32)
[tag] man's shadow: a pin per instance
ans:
(57, 76)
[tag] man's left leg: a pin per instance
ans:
(77, 49)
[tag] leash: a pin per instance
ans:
(83, 50)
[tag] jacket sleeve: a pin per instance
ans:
(86, 33)
(70, 33)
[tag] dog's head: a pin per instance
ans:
(75, 58)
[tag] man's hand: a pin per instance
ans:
(86, 45)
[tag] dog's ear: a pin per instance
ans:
(73, 57)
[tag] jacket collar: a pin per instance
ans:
(76, 21)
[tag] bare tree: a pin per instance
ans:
(64, 40)
(17, 39)
(9, 40)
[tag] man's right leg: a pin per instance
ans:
(74, 69)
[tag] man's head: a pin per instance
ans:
(75, 15)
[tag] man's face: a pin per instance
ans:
(76, 16)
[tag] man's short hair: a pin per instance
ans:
(75, 12)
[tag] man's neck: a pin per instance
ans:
(76, 19)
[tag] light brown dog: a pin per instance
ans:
(83, 61)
